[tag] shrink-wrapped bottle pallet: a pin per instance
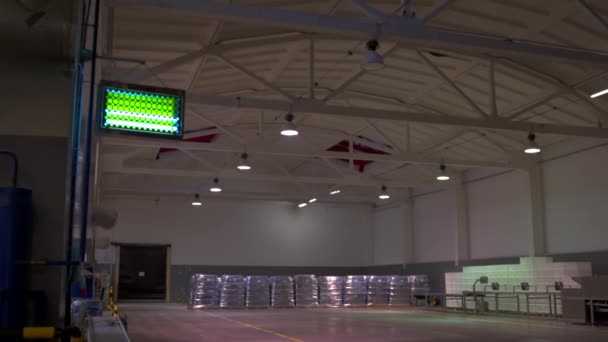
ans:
(307, 290)
(232, 292)
(330, 291)
(400, 291)
(203, 291)
(355, 291)
(378, 290)
(258, 292)
(282, 292)
(419, 284)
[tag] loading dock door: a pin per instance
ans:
(142, 272)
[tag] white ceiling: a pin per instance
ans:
(264, 61)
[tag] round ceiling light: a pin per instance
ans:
(289, 128)
(532, 147)
(243, 163)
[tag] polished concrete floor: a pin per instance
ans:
(163, 322)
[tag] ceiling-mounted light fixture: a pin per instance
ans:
(243, 163)
(532, 147)
(443, 176)
(335, 192)
(373, 61)
(196, 202)
(312, 200)
(383, 195)
(216, 185)
(289, 128)
(599, 93)
(302, 205)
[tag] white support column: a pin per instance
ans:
(351, 161)
(537, 239)
(462, 249)
(409, 251)
(408, 138)
(492, 84)
(311, 69)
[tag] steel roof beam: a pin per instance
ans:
(307, 106)
(230, 174)
(273, 150)
(410, 32)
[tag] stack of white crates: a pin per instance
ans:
(355, 291)
(540, 273)
(307, 290)
(378, 290)
(282, 292)
(203, 291)
(331, 290)
(258, 292)
(232, 292)
(400, 291)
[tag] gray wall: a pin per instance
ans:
(43, 169)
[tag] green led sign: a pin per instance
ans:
(142, 110)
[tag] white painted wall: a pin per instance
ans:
(500, 216)
(435, 226)
(249, 233)
(389, 235)
(576, 197)
(230, 232)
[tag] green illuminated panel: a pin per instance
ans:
(153, 112)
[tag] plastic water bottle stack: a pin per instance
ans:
(203, 291)
(282, 292)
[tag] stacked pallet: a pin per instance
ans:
(257, 292)
(419, 284)
(331, 290)
(355, 291)
(232, 292)
(378, 291)
(282, 292)
(307, 290)
(400, 291)
(203, 291)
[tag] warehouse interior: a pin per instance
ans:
(455, 150)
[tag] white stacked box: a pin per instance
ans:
(331, 290)
(232, 292)
(400, 290)
(378, 290)
(258, 292)
(203, 291)
(355, 291)
(307, 290)
(540, 273)
(282, 292)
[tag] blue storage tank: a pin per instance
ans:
(15, 232)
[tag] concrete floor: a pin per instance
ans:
(163, 322)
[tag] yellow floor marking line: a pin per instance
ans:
(291, 338)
